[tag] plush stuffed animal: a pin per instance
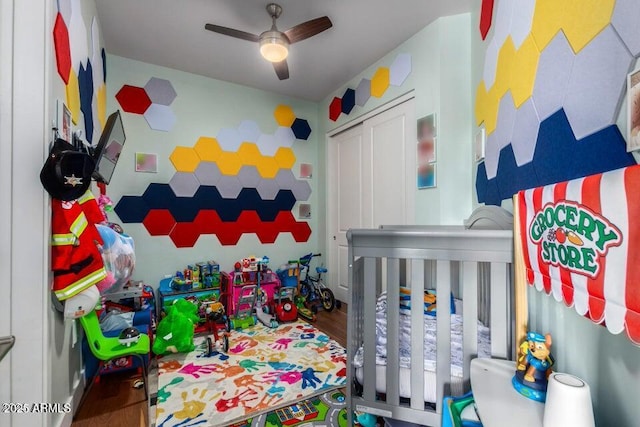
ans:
(175, 331)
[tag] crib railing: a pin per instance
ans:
(477, 263)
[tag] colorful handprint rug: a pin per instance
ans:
(263, 370)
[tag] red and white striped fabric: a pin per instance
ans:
(581, 244)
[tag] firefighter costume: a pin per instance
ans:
(75, 257)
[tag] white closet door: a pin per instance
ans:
(346, 200)
(372, 178)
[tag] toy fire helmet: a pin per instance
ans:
(129, 336)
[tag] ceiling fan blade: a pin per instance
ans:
(232, 32)
(308, 29)
(282, 69)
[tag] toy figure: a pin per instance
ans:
(534, 366)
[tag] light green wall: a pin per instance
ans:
(203, 106)
(609, 363)
(440, 80)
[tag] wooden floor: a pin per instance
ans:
(114, 402)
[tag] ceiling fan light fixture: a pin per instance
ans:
(274, 47)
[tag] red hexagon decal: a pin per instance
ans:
(159, 222)
(63, 49)
(133, 99)
(335, 108)
(486, 17)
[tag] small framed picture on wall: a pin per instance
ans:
(64, 124)
(146, 162)
(427, 131)
(633, 111)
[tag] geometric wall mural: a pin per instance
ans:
(239, 182)
(553, 81)
(395, 75)
(152, 101)
(81, 66)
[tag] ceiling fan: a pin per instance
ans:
(274, 44)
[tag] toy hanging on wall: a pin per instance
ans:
(534, 366)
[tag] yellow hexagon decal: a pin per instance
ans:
(580, 20)
(184, 159)
(523, 73)
(285, 157)
(481, 103)
(504, 70)
(101, 99)
(208, 149)
(268, 167)
(284, 115)
(249, 154)
(229, 163)
(380, 82)
(73, 96)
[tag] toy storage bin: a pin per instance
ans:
(269, 283)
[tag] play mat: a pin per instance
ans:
(264, 369)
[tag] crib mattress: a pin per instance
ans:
(404, 383)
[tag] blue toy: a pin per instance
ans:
(534, 366)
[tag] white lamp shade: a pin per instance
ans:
(568, 402)
(273, 46)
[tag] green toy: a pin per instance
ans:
(175, 331)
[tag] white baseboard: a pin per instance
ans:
(74, 400)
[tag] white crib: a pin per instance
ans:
(472, 262)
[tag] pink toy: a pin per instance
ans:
(105, 204)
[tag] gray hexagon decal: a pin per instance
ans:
(268, 189)
(285, 179)
(363, 92)
(249, 177)
(229, 187)
(208, 173)
(301, 190)
(160, 91)
(184, 184)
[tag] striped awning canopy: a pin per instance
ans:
(581, 244)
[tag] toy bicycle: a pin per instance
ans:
(312, 288)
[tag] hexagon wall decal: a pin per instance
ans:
(348, 101)
(301, 129)
(284, 115)
(335, 108)
(160, 117)
(133, 99)
(363, 92)
(160, 91)
(400, 69)
(184, 159)
(486, 15)
(380, 82)
(62, 47)
(237, 183)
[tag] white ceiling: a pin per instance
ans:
(171, 33)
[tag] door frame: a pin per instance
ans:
(359, 120)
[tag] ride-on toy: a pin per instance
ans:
(283, 305)
(216, 321)
(243, 317)
(312, 288)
